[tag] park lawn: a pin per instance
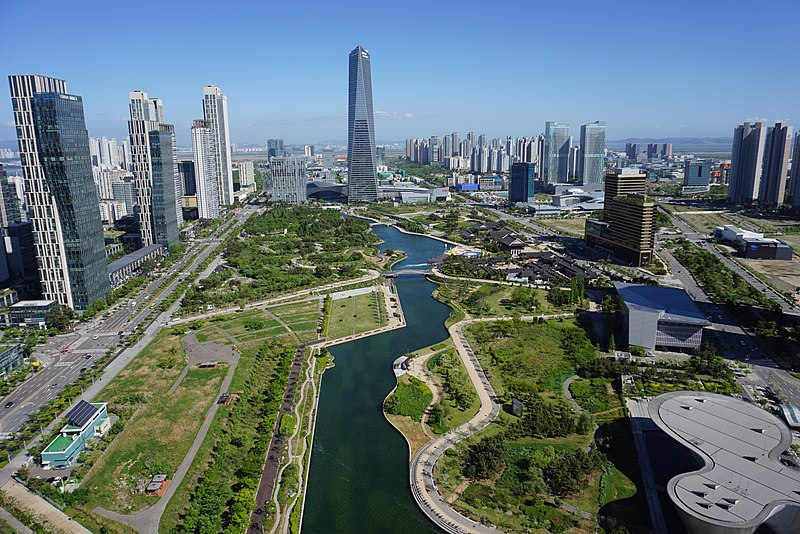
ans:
(155, 440)
(501, 305)
(150, 373)
(301, 317)
(285, 310)
(533, 354)
(180, 500)
(356, 314)
(459, 402)
(301, 327)
(262, 335)
(411, 398)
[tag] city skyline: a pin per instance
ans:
(412, 96)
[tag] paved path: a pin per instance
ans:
(147, 521)
(14, 522)
(38, 506)
(568, 394)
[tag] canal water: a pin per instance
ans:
(358, 481)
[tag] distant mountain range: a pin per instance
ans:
(692, 141)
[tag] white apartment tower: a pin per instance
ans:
(215, 111)
(247, 176)
(205, 169)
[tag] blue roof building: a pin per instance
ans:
(660, 317)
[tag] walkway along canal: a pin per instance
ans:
(359, 475)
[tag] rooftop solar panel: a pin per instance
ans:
(82, 413)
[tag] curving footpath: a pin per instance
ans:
(423, 485)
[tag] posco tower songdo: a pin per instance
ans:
(362, 182)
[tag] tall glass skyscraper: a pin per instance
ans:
(556, 152)
(60, 191)
(362, 181)
(165, 222)
(522, 181)
(747, 158)
(591, 167)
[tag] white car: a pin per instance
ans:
(95, 337)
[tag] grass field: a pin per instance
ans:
(573, 226)
(705, 222)
(356, 314)
(411, 398)
(252, 327)
(158, 436)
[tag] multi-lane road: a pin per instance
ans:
(65, 357)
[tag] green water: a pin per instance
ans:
(358, 481)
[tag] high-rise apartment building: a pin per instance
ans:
(147, 117)
(747, 163)
(777, 149)
(275, 148)
(573, 162)
(556, 152)
(204, 155)
(247, 174)
(591, 166)
(215, 111)
(796, 172)
(666, 150)
(521, 182)
(60, 190)
(362, 181)
(288, 179)
(186, 176)
(627, 229)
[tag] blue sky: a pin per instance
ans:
(650, 69)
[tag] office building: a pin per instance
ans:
(204, 156)
(666, 150)
(747, 162)
(247, 176)
(627, 229)
(61, 196)
(308, 151)
(734, 479)
(288, 180)
(697, 172)
(557, 143)
(660, 317)
(275, 148)
(164, 176)
(777, 148)
(591, 159)
(362, 181)
(148, 134)
(215, 111)
(521, 183)
(187, 177)
(20, 252)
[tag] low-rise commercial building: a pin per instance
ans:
(30, 312)
(740, 483)
(84, 422)
(753, 244)
(660, 317)
(129, 265)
